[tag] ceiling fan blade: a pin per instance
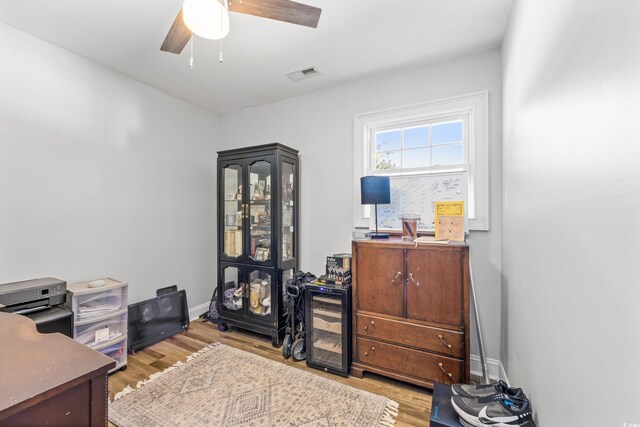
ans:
(177, 37)
(280, 10)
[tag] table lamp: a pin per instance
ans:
(375, 190)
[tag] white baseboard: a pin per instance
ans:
(503, 374)
(195, 312)
(494, 366)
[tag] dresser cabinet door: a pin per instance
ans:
(434, 286)
(380, 280)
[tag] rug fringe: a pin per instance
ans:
(122, 393)
(201, 351)
(128, 389)
(389, 415)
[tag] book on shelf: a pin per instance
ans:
(233, 242)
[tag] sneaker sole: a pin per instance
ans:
(464, 423)
(473, 421)
(468, 420)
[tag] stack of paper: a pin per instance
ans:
(99, 305)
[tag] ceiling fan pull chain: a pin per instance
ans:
(191, 59)
(226, 6)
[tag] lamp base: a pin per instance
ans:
(378, 235)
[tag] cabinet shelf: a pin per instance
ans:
(332, 327)
(329, 313)
(327, 300)
(328, 346)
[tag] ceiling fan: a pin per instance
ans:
(280, 10)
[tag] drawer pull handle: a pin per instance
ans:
(366, 353)
(414, 280)
(443, 370)
(444, 342)
(395, 279)
(371, 324)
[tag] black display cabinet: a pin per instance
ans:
(328, 326)
(258, 238)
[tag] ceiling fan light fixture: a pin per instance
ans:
(207, 18)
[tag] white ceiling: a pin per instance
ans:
(354, 39)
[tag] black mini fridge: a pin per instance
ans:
(328, 325)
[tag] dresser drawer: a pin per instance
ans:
(415, 363)
(411, 334)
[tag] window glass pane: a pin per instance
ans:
(447, 132)
(415, 137)
(389, 140)
(388, 160)
(447, 155)
(415, 158)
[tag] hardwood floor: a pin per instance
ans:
(415, 402)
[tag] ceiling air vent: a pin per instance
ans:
(305, 73)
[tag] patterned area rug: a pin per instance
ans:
(223, 386)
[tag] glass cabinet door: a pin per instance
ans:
(259, 211)
(232, 210)
(259, 282)
(288, 212)
(233, 289)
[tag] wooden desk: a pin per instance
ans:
(49, 379)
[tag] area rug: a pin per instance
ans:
(223, 386)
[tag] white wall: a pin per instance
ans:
(101, 175)
(572, 208)
(320, 125)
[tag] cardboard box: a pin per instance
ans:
(339, 267)
(442, 412)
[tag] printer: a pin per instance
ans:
(41, 300)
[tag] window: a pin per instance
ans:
(436, 137)
(417, 147)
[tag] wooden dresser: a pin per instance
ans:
(411, 311)
(49, 379)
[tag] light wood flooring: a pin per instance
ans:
(415, 402)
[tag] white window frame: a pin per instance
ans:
(474, 107)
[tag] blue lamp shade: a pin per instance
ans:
(375, 190)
